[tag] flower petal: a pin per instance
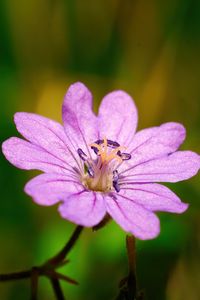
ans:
(84, 208)
(178, 166)
(117, 117)
(79, 120)
(154, 197)
(48, 189)
(45, 133)
(155, 142)
(25, 155)
(132, 217)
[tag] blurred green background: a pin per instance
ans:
(151, 50)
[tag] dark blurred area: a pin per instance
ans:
(151, 50)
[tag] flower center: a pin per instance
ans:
(101, 174)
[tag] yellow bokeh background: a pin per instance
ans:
(151, 50)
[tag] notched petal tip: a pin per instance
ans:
(174, 126)
(35, 189)
(49, 189)
(176, 130)
(117, 117)
(133, 218)
(149, 232)
(77, 90)
(79, 120)
(85, 208)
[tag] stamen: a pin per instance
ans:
(100, 148)
(99, 142)
(90, 172)
(96, 145)
(114, 154)
(113, 144)
(116, 187)
(88, 167)
(124, 156)
(82, 155)
(93, 147)
(115, 175)
(98, 173)
(115, 181)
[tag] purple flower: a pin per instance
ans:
(95, 165)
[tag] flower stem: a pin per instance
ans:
(132, 280)
(128, 285)
(34, 283)
(57, 289)
(15, 275)
(48, 269)
(60, 256)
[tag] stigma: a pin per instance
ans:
(100, 174)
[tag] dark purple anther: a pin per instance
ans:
(113, 144)
(90, 171)
(124, 156)
(115, 181)
(116, 186)
(95, 150)
(110, 143)
(82, 155)
(115, 175)
(99, 142)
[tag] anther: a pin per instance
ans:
(113, 144)
(115, 175)
(124, 156)
(115, 181)
(116, 186)
(90, 171)
(95, 149)
(110, 143)
(82, 155)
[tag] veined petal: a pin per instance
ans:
(178, 166)
(132, 217)
(154, 197)
(45, 133)
(84, 208)
(117, 117)
(25, 155)
(80, 122)
(155, 142)
(48, 189)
